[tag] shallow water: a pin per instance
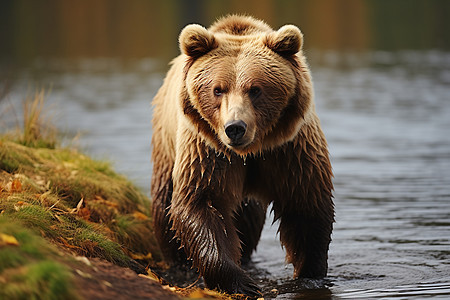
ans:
(386, 117)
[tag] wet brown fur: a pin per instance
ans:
(210, 198)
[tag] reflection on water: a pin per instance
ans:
(435, 290)
(386, 116)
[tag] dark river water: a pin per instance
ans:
(386, 116)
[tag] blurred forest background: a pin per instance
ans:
(142, 28)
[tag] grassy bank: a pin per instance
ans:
(57, 204)
(63, 215)
(76, 202)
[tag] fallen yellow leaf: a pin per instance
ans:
(140, 216)
(6, 239)
(197, 294)
(169, 288)
(140, 256)
(101, 200)
(150, 276)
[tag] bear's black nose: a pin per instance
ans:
(235, 130)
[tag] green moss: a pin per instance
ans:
(10, 258)
(30, 268)
(99, 245)
(103, 167)
(41, 280)
(56, 278)
(34, 216)
(11, 161)
(37, 143)
(8, 165)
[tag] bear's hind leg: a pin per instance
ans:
(249, 220)
(161, 194)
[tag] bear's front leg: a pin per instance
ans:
(204, 198)
(210, 240)
(306, 236)
(306, 210)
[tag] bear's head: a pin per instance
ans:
(247, 88)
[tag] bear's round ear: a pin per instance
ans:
(285, 41)
(196, 40)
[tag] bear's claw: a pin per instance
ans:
(245, 285)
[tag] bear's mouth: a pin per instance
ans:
(240, 147)
(236, 144)
(239, 144)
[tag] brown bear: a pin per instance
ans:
(235, 129)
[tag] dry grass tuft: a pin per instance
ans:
(38, 130)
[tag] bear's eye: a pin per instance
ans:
(254, 92)
(218, 91)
